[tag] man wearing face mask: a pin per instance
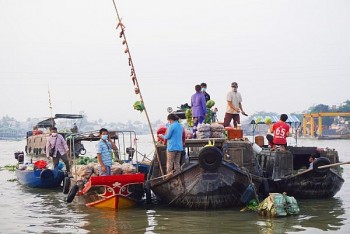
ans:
(204, 91)
(104, 153)
(234, 106)
(59, 148)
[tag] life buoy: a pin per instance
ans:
(72, 192)
(210, 158)
(321, 161)
(66, 185)
(47, 175)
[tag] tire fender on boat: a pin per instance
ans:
(66, 185)
(47, 174)
(72, 192)
(210, 158)
(321, 162)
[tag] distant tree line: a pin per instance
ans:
(143, 128)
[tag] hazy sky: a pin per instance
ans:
(285, 55)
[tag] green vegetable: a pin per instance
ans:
(210, 103)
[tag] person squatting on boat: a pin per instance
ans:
(57, 148)
(104, 150)
(174, 144)
(280, 132)
(234, 106)
(311, 160)
(204, 91)
(199, 108)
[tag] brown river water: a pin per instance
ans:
(28, 210)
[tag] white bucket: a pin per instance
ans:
(257, 149)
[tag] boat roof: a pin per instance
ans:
(92, 135)
(49, 122)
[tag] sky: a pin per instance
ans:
(285, 55)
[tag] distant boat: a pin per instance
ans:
(334, 137)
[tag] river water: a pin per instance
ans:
(28, 210)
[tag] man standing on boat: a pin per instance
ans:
(57, 148)
(174, 144)
(280, 132)
(204, 91)
(234, 106)
(199, 108)
(104, 153)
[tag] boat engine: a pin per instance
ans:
(19, 155)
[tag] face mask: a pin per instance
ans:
(104, 137)
(204, 89)
(54, 134)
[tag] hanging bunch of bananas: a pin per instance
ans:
(189, 119)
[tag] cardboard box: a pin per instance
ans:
(233, 133)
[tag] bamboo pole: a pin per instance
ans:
(135, 81)
(324, 166)
(334, 164)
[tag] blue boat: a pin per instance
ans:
(37, 175)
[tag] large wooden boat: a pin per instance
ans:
(219, 173)
(287, 171)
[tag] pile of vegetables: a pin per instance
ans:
(85, 160)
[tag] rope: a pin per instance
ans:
(134, 78)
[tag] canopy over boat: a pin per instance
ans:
(49, 122)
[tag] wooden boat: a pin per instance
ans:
(114, 191)
(36, 139)
(287, 172)
(37, 175)
(221, 174)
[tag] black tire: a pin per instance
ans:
(210, 158)
(47, 175)
(148, 192)
(66, 185)
(322, 161)
(266, 187)
(72, 192)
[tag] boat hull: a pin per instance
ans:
(115, 191)
(40, 178)
(309, 185)
(196, 188)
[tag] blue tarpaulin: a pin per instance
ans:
(292, 120)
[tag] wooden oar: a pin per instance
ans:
(324, 166)
(334, 164)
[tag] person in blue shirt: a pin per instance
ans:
(174, 144)
(104, 153)
(199, 108)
